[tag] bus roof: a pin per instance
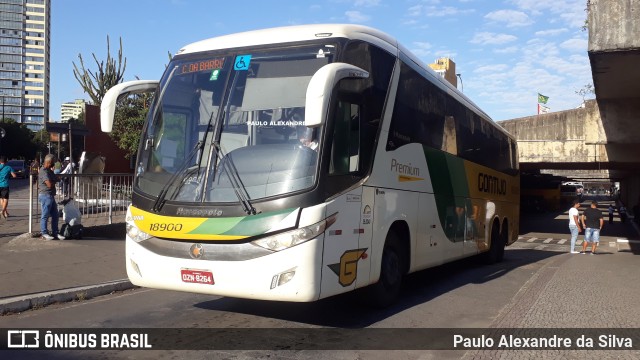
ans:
(317, 31)
(293, 33)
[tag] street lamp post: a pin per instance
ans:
(461, 85)
(2, 135)
(70, 144)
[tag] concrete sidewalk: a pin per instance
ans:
(36, 272)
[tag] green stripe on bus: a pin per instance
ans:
(450, 188)
(242, 225)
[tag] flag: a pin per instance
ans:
(543, 109)
(542, 99)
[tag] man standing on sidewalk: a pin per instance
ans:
(46, 195)
(574, 224)
(592, 221)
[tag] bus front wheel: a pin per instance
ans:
(385, 292)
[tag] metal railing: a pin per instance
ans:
(95, 195)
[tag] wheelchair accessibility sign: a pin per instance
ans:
(242, 62)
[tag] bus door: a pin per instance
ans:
(347, 246)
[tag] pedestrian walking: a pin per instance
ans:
(46, 195)
(592, 222)
(5, 172)
(574, 224)
(622, 211)
(610, 214)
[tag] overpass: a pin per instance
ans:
(600, 141)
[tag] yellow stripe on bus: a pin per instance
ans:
(404, 178)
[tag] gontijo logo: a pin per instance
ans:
(492, 184)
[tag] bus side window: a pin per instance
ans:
(345, 149)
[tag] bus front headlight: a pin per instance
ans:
(135, 233)
(291, 238)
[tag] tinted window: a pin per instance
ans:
(356, 115)
(424, 113)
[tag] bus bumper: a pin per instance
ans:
(288, 275)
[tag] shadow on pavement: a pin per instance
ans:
(106, 232)
(347, 310)
(428, 284)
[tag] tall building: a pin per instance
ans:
(446, 68)
(71, 110)
(24, 61)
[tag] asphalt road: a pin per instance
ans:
(538, 285)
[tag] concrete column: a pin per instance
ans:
(631, 192)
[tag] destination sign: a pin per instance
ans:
(202, 65)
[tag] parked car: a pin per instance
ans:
(19, 167)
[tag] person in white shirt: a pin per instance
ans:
(68, 169)
(574, 224)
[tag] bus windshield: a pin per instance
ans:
(227, 123)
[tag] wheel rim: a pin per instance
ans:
(391, 269)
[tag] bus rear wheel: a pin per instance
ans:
(385, 292)
(496, 249)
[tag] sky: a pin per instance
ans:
(506, 51)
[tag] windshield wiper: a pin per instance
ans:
(198, 149)
(234, 178)
(157, 206)
(238, 187)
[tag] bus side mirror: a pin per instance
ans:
(320, 88)
(108, 105)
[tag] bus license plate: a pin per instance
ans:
(197, 276)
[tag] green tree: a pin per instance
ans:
(585, 25)
(40, 140)
(128, 122)
(586, 90)
(96, 84)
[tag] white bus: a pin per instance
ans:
(298, 163)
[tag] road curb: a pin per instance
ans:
(30, 301)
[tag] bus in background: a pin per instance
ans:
(303, 162)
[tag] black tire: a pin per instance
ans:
(496, 248)
(385, 292)
(504, 238)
